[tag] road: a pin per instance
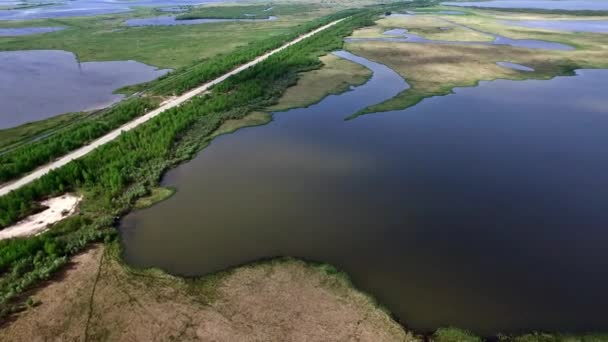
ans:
(43, 170)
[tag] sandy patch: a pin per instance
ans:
(58, 209)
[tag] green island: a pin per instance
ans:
(70, 282)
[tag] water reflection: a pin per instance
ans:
(484, 209)
(515, 66)
(24, 31)
(599, 26)
(541, 4)
(171, 21)
(39, 84)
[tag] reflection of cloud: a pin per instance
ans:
(300, 156)
(592, 104)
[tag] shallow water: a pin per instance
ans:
(542, 4)
(515, 66)
(39, 84)
(440, 12)
(498, 40)
(484, 209)
(25, 31)
(90, 7)
(598, 26)
(171, 21)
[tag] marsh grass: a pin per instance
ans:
(434, 69)
(336, 75)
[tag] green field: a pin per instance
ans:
(107, 38)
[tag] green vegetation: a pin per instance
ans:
(108, 38)
(24, 159)
(245, 12)
(157, 194)
(454, 335)
(336, 76)
(25, 262)
(27, 158)
(114, 176)
(14, 136)
(250, 120)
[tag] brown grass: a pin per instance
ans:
(284, 300)
(433, 69)
(335, 76)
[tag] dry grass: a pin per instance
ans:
(252, 119)
(336, 76)
(282, 300)
(426, 26)
(433, 69)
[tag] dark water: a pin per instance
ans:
(599, 26)
(74, 8)
(484, 209)
(170, 21)
(24, 31)
(40, 84)
(542, 4)
(515, 66)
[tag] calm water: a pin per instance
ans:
(74, 8)
(543, 4)
(170, 21)
(483, 209)
(498, 40)
(24, 31)
(599, 26)
(515, 66)
(39, 84)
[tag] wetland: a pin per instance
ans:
(443, 205)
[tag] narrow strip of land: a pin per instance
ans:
(16, 184)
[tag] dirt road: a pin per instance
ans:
(38, 173)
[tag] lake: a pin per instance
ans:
(39, 84)
(597, 5)
(484, 209)
(598, 26)
(75, 8)
(25, 31)
(171, 21)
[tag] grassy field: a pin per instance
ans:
(106, 37)
(433, 69)
(100, 299)
(427, 26)
(157, 194)
(336, 76)
(248, 12)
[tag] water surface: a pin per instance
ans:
(171, 21)
(25, 31)
(515, 66)
(540, 4)
(498, 40)
(484, 209)
(599, 26)
(39, 84)
(73, 8)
